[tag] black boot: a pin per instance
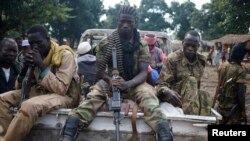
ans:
(70, 130)
(164, 132)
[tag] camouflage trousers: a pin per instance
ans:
(194, 101)
(15, 128)
(228, 117)
(143, 95)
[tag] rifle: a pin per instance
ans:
(232, 112)
(234, 109)
(26, 85)
(115, 100)
(219, 85)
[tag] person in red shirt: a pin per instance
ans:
(157, 57)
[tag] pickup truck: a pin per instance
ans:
(185, 127)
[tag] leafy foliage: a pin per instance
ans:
(182, 17)
(19, 15)
(111, 14)
(69, 18)
(222, 17)
(152, 15)
(85, 14)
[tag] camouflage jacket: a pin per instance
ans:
(230, 74)
(176, 68)
(104, 56)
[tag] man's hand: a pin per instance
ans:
(172, 97)
(159, 65)
(120, 83)
(33, 59)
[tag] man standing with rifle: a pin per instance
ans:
(54, 84)
(132, 62)
(231, 88)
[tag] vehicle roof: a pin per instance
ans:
(106, 32)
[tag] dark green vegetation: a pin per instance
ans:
(69, 18)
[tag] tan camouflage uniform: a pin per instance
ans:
(143, 94)
(233, 73)
(58, 89)
(183, 77)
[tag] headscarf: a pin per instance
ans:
(55, 54)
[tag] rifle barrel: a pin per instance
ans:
(114, 58)
(115, 103)
(117, 122)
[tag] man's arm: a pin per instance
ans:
(166, 79)
(140, 77)
(60, 81)
(166, 76)
(102, 60)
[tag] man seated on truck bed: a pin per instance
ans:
(132, 62)
(54, 84)
(179, 80)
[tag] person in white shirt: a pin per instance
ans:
(8, 67)
(86, 63)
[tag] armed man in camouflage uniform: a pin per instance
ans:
(133, 60)
(231, 88)
(180, 77)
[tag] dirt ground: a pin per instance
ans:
(210, 79)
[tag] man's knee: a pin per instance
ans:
(164, 132)
(30, 108)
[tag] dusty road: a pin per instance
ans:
(210, 79)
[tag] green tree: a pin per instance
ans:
(182, 17)
(237, 20)
(208, 21)
(17, 16)
(111, 14)
(222, 17)
(85, 14)
(152, 15)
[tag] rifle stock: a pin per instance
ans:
(232, 113)
(115, 101)
(26, 85)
